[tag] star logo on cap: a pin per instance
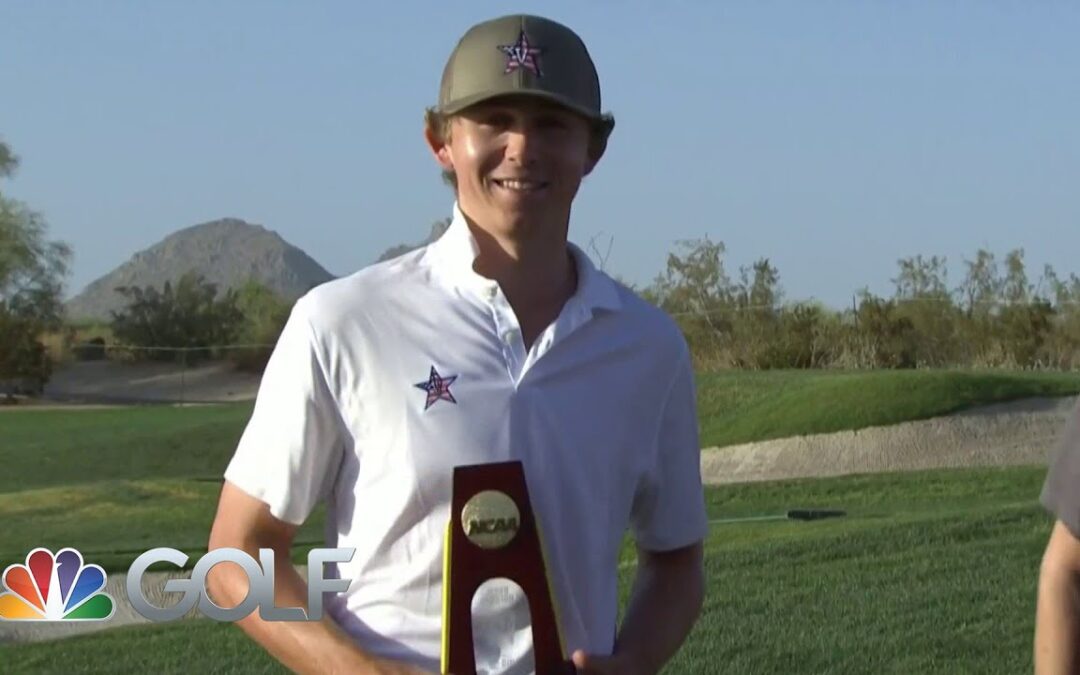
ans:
(437, 388)
(522, 54)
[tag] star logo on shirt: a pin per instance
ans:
(522, 54)
(437, 388)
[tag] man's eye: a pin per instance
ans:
(552, 123)
(497, 120)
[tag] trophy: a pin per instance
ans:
(493, 533)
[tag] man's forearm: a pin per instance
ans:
(302, 646)
(664, 603)
(1057, 623)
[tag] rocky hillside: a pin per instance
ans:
(226, 252)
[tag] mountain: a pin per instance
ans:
(226, 252)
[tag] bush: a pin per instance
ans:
(189, 318)
(992, 319)
(25, 367)
(32, 272)
(264, 315)
(91, 350)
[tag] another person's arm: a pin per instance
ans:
(1057, 620)
(245, 523)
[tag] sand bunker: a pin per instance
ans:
(1021, 432)
(112, 382)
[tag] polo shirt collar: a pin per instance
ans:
(456, 250)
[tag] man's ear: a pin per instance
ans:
(595, 153)
(440, 149)
(591, 163)
(597, 146)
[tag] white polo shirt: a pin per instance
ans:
(383, 381)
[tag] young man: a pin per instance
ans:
(1057, 620)
(499, 341)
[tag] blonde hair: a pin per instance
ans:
(439, 126)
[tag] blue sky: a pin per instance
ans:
(830, 137)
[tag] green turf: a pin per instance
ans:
(109, 481)
(112, 522)
(930, 572)
(197, 646)
(47, 448)
(740, 406)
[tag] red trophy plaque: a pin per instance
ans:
(493, 534)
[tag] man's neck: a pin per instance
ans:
(533, 273)
(537, 276)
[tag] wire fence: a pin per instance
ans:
(98, 371)
(102, 369)
(736, 306)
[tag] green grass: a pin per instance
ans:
(52, 448)
(930, 572)
(122, 474)
(112, 522)
(740, 407)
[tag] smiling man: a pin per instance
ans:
(500, 341)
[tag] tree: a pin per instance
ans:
(1064, 293)
(921, 279)
(189, 316)
(1015, 288)
(695, 281)
(32, 273)
(887, 338)
(762, 290)
(981, 286)
(696, 290)
(264, 315)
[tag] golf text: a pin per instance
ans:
(260, 589)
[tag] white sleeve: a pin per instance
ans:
(291, 448)
(669, 504)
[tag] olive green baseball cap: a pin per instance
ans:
(521, 54)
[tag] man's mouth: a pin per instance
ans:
(520, 185)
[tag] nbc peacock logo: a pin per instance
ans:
(55, 588)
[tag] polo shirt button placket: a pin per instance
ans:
(513, 358)
(504, 329)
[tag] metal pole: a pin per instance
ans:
(792, 514)
(183, 373)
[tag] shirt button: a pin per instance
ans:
(490, 292)
(508, 337)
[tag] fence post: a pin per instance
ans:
(183, 374)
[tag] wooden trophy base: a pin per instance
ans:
(493, 534)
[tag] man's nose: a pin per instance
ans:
(521, 145)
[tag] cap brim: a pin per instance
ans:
(604, 120)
